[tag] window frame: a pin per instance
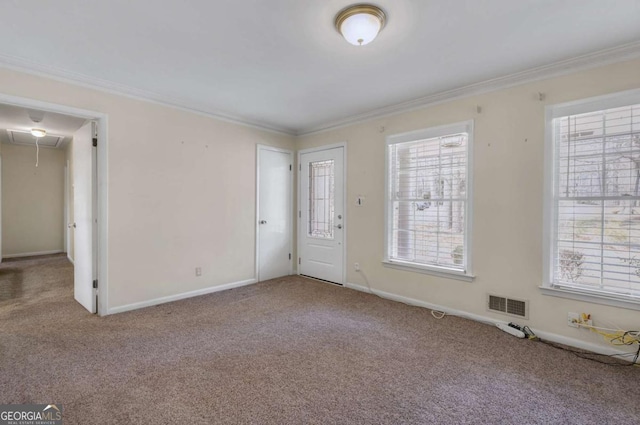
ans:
(549, 237)
(428, 133)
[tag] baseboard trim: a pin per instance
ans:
(33, 254)
(70, 259)
(548, 336)
(177, 297)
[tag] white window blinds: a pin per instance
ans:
(427, 198)
(596, 244)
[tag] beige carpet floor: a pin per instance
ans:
(287, 351)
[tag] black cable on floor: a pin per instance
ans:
(586, 355)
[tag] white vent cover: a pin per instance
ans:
(18, 137)
(510, 306)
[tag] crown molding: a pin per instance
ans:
(600, 58)
(592, 60)
(58, 74)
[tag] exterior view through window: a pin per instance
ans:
(597, 201)
(427, 199)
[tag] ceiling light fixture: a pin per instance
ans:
(360, 24)
(38, 132)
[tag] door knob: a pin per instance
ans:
(339, 226)
(263, 221)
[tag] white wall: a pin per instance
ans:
(182, 194)
(32, 200)
(181, 191)
(508, 195)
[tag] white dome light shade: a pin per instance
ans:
(360, 24)
(360, 29)
(38, 132)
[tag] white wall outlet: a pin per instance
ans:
(198, 271)
(356, 266)
(573, 320)
(585, 319)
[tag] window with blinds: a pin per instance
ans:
(596, 201)
(427, 198)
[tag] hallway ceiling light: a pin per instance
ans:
(38, 132)
(360, 24)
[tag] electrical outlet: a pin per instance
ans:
(573, 320)
(585, 319)
(198, 271)
(356, 266)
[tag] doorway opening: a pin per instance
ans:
(52, 166)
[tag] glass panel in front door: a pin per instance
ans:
(321, 199)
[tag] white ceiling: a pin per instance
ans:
(17, 118)
(281, 63)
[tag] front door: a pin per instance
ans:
(322, 215)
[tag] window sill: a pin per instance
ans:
(591, 297)
(434, 271)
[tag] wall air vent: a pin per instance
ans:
(510, 306)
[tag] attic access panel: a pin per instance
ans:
(18, 137)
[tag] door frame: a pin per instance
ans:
(0, 207)
(65, 228)
(101, 184)
(342, 145)
(260, 148)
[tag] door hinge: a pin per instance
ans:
(290, 167)
(289, 256)
(299, 214)
(299, 260)
(95, 141)
(95, 284)
(300, 167)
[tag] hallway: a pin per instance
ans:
(33, 280)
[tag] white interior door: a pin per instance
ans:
(274, 228)
(83, 154)
(322, 215)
